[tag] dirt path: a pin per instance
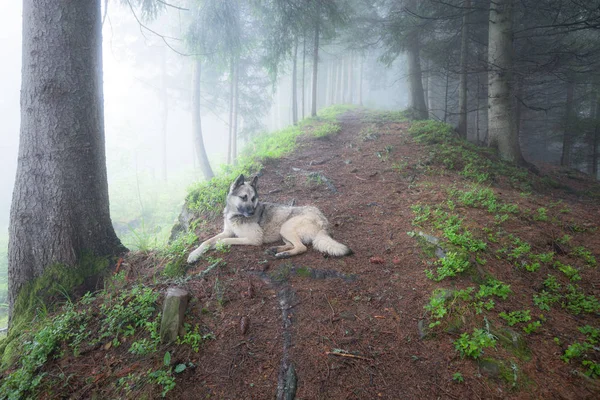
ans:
(328, 328)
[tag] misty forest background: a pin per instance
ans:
(232, 70)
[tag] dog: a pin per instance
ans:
(251, 222)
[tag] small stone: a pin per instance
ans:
(173, 314)
(489, 367)
(422, 329)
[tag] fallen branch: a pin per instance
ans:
(348, 355)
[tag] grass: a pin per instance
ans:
(209, 196)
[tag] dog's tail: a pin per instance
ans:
(325, 244)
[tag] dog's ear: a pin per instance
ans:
(254, 183)
(238, 182)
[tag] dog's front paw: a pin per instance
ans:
(283, 254)
(195, 255)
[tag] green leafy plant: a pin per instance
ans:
(194, 338)
(457, 377)
(493, 287)
(571, 272)
(532, 327)
(545, 299)
(541, 214)
(585, 255)
(451, 265)
(473, 345)
(514, 317)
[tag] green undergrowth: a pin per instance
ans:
(474, 163)
(209, 196)
(477, 229)
(122, 318)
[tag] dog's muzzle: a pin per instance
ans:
(247, 211)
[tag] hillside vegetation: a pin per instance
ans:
(471, 278)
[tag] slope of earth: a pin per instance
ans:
(509, 311)
(351, 326)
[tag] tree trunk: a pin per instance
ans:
(197, 122)
(413, 50)
(462, 87)
(295, 85)
(236, 111)
(360, 82)
(502, 130)
(164, 117)
(60, 207)
(303, 71)
(313, 111)
(351, 79)
(596, 133)
(231, 96)
(446, 92)
(331, 81)
(565, 158)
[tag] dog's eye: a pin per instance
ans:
(244, 197)
(253, 198)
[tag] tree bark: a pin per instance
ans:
(596, 133)
(351, 79)
(360, 82)
(197, 123)
(303, 72)
(565, 158)
(60, 207)
(295, 85)
(231, 97)
(462, 87)
(236, 112)
(502, 131)
(413, 52)
(313, 111)
(164, 117)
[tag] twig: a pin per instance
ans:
(362, 179)
(348, 355)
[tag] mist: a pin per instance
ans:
(150, 154)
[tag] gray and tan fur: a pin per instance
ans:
(251, 222)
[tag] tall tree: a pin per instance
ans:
(462, 87)
(502, 127)
(317, 30)
(197, 122)
(60, 208)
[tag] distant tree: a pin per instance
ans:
(60, 208)
(502, 125)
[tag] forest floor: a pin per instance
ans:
(355, 327)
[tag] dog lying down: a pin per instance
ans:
(251, 222)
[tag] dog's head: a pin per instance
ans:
(243, 196)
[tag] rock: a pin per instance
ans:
(422, 329)
(489, 367)
(513, 341)
(173, 314)
(291, 384)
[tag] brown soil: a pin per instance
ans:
(351, 323)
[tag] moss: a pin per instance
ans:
(36, 298)
(303, 272)
(514, 342)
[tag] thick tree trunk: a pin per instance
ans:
(565, 158)
(295, 84)
(197, 123)
(60, 208)
(426, 85)
(462, 87)
(331, 83)
(502, 127)
(313, 111)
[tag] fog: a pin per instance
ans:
(147, 90)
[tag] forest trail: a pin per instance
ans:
(355, 327)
